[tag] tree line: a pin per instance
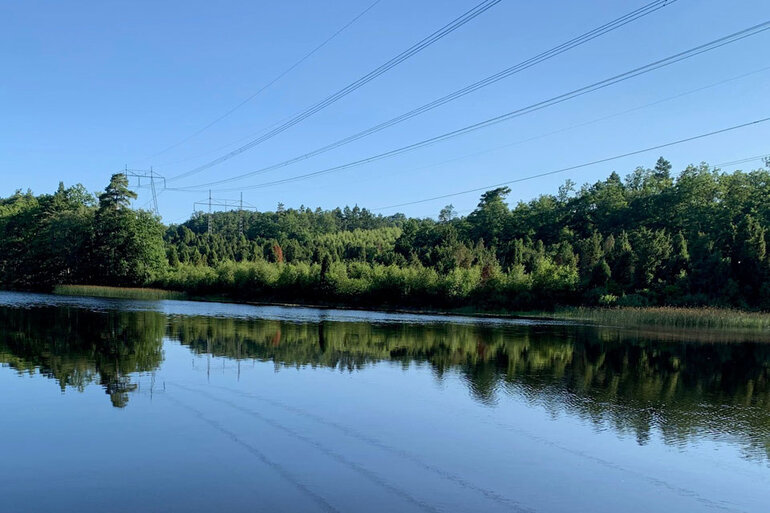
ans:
(73, 236)
(649, 238)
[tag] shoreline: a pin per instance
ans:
(157, 294)
(706, 318)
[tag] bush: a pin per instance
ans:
(608, 300)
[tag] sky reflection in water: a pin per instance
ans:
(115, 405)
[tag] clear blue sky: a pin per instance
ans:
(88, 87)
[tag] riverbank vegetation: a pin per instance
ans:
(649, 239)
(117, 292)
(669, 317)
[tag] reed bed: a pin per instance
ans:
(706, 318)
(117, 292)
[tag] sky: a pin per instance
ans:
(89, 88)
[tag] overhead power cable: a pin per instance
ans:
(492, 79)
(579, 166)
(395, 61)
(743, 160)
(271, 82)
(588, 123)
(717, 43)
(597, 120)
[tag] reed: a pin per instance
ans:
(712, 318)
(117, 292)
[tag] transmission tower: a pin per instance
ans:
(226, 204)
(151, 178)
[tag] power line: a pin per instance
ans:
(586, 123)
(231, 204)
(578, 166)
(604, 118)
(521, 66)
(460, 212)
(744, 160)
(273, 81)
(723, 164)
(217, 149)
(395, 61)
(594, 121)
(717, 43)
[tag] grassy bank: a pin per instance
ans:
(669, 317)
(651, 317)
(118, 292)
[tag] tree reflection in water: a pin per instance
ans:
(77, 347)
(682, 384)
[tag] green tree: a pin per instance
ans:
(749, 256)
(116, 195)
(491, 216)
(447, 214)
(653, 248)
(128, 246)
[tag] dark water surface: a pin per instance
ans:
(160, 406)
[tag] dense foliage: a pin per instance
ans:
(650, 238)
(72, 236)
(699, 238)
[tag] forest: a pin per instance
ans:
(650, 238)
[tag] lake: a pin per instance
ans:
(158, 406)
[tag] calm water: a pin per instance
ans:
(117, 405)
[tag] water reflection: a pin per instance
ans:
(77, 347)
(629, 382)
